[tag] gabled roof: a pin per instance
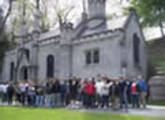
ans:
(116, 23)
(49, 34)
(82, 29)
(110, 25)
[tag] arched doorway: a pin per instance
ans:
(12, 71)
(50, 66)
(24, 73)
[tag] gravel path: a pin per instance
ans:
(152, 111)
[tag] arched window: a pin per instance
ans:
(25, 73)
(50, 66)
(27, 53)
(136, 48)
(12, 71)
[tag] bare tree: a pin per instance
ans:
(62, 11)
(3, 21)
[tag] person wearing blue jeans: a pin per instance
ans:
(48, 91)
(123, 93)
(39, 96)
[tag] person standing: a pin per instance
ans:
(89, 91)
(105, 94)
(23, 87)
(56, 101)
(48, 89)
(115, 93)
(10, 92)
(4, 92)
(39, 95)
(143, 90)
(31, 93)
(134, 93)
(98, 86)
(0, 92)
(63, 92)
(123, 93)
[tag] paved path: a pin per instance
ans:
(153, 111)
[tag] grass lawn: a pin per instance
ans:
(158, 103)
(19, 113)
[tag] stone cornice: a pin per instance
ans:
(99, 36)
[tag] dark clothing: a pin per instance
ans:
(135, 101)
(63, 88)
(105, 101)
(63, 91)
(73, 88)
(56, 88)
(48, 88)
(39, 90)
(10, 92)
(123, 94)
(135, 90)
(114, 90)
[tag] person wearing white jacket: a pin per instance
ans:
(98, 86)
(4, 92)
(0, 91)
(105, 94)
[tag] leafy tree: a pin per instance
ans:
(151, 12)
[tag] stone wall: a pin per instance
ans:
(157, 88)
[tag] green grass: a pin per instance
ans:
(158, 103)
(19, 113)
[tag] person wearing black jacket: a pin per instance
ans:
(73, 88)
(63, 92)
(56, 97)
(39, 95)
(115, 93)
(123, 93)
(48, 88)
(10, 92)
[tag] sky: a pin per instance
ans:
(113, 7)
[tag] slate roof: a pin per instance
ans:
(112, 24)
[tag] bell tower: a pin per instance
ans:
(96, 8)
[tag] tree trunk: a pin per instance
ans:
(162, 30)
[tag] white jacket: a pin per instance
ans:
(105, 89)
(98, 87)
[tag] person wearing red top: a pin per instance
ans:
(89, 90)
(134, 93)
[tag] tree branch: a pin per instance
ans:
(6, 16)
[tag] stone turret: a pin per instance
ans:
(35, 47)
(96, 8)
(37, 16)
(23, 28)
(84, 13)
(67, 33)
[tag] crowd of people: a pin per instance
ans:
(100, 92)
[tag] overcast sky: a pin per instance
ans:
(113, 7)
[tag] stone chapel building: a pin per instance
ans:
(95, 46)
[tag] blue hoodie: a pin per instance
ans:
(143, 85)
